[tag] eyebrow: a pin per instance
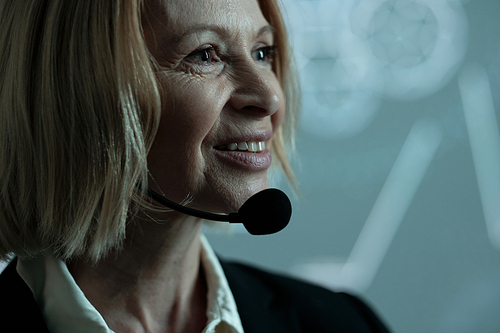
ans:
(265, 29)
(219, 30)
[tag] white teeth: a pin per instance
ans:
(242, 146)
(232, 146)
(251, 146)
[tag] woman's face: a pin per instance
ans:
(217, 89)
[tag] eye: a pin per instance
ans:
(264, 54)
(203, 56)
(205, 60)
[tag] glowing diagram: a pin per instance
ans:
(389, 210)
(484, 140)
(352, 53)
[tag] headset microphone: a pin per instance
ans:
(264, 213)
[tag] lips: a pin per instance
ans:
(246, 153)
(250, 146)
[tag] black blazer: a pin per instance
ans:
(267, 303)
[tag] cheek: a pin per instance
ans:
(190, 110)
(278, 117)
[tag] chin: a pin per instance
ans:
(229, 199)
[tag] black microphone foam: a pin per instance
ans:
(264, 213)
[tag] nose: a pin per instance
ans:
(256, 91)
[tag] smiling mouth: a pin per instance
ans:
(250, 146)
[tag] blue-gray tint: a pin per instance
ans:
(398, 161)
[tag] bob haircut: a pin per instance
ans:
(79, 109)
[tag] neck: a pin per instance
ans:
(153, 284)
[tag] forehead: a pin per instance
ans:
(180, 15)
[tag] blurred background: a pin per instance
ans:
(398, 161)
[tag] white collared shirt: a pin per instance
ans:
(66, 309)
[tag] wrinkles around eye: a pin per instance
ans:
(204, 55)
(204, 60)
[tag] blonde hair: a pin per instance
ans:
(286, 72)
(79, 109)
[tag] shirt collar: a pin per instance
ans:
(66, 309)
(63, 304)
(222, 313)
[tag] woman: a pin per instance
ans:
(100, 99)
